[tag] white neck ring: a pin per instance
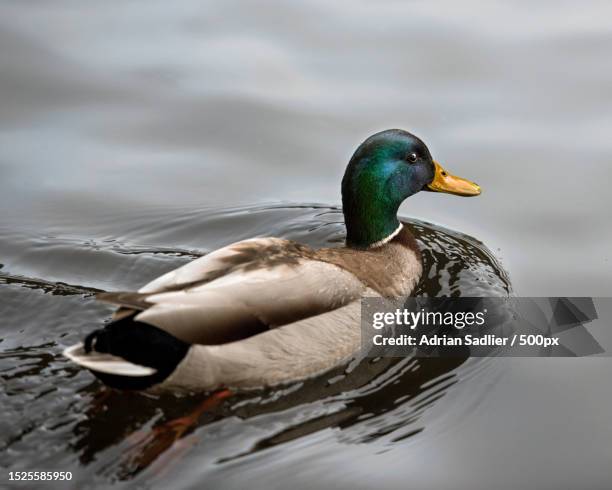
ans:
(387, 239)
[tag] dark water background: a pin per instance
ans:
(137, 135)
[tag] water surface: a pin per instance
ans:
(137, 135)
(68, 420)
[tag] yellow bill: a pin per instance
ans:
(445, 182)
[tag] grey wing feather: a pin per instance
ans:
(126, 299)
(240, 290)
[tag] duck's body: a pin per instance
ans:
(267, 311)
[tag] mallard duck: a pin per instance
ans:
(268, 311)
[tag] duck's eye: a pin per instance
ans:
(412, 157)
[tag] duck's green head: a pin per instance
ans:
(387, 168)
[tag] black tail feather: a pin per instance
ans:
(139, 343)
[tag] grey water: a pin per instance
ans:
(135, 136)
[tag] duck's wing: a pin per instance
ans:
(240, 290)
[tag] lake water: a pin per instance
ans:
(137, 135)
